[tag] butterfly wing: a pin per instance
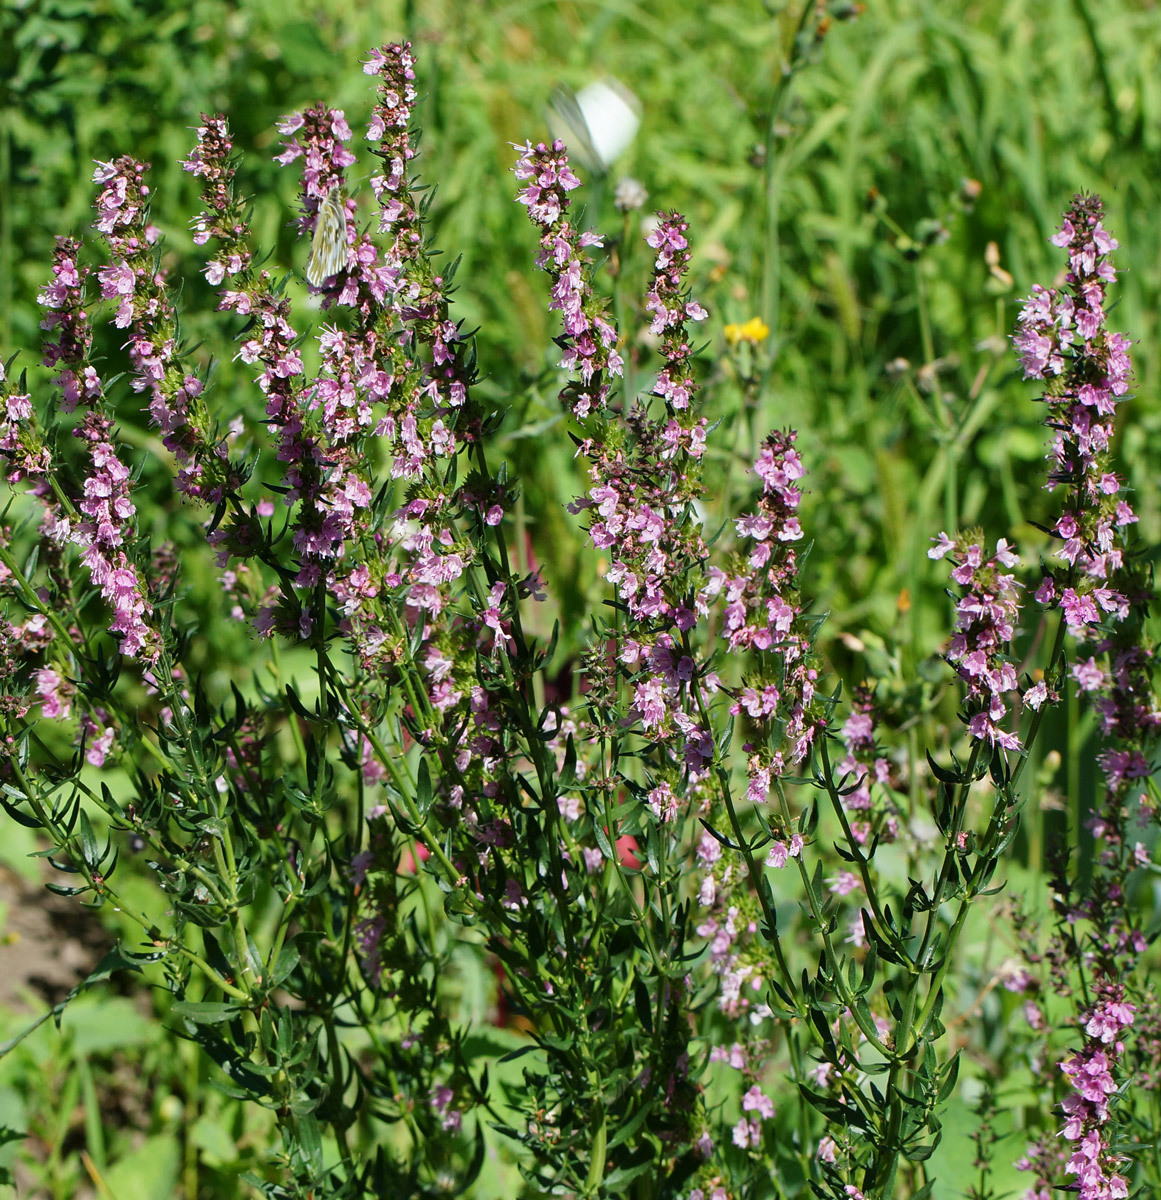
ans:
(597, 123)
(328, 246)
(611, 115)
(567, 122)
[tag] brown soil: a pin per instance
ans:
(48, 944)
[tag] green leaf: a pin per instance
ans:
(628, 1128)
(643, 1004)
(833, 1110)
(614, 1184)
(204, 1012)
(883, 948)
(944, 774)
(101, 1022)
(21, 818)
(89, 843)
(513, 1055)
(872, 959)
(60, 890)
(808, 820)
(566, 778)
(11, 1135)
(423, 790)
(948, 1085)
(149, 1170)
(726, 741)
(247, 1077)
(920, 1153)
(288, 959)
(477, 1163)
(214, 1141)
(310, 1141)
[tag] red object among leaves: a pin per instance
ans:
(407, 859)
(627, 851)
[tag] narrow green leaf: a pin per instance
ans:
(205, 1012)
(423, 790)
(89, 843)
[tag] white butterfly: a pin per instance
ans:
(328, 246)
(597, 123)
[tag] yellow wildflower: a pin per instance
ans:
(753, 331)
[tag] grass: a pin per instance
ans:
(832, 206)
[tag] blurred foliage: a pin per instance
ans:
(852, 207)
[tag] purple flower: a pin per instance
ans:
(986, 615)
(762, 612)
(55, 694)
(756, 1101)
(145, 308)
(105, 510)
(863, 766)
(671, 307)
(589, 343)
(1064, 337)
(1090, 1072)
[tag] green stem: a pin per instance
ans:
(853, 846)
(757, 882)
(643, 925)
(832, 959)
(340, 1132)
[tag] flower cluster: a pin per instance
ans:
(105, 510)
(1114, 667)
(24, 453)
(108, 513)
(589, 341)
(671, 307)
(122, 207)
(866, 767)
(1063, 339)
(428, 369)
(270, 341)
(327, 473)
(390, 128)
(753, 331)
(763, 612)
(742, 960)
(223, 218)
(211, 161)
(318, 137)
(425, 374)
(985, 618)
(643, 485)
(1090, 1072)
(645, 476)
(68, 352)
(145, 307)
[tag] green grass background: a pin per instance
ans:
(850, 239)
